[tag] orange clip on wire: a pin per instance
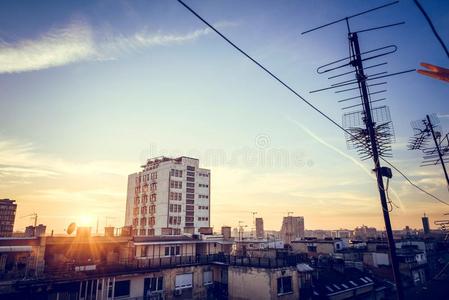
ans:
(435, 72)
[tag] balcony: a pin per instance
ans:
(144, 265)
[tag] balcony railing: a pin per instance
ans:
(150, 264)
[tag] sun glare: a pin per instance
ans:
(85, 221)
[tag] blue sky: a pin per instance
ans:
(89, 89)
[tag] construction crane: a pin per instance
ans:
(34, 216)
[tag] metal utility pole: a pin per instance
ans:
(361, 78)
(437, 146)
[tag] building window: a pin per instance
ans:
(175, 208)
(122, 288)
(175, 196)
(207, 278)
(190, 184)
(284, 285)
(311, 249)
(155, 284)
(154, 175)
(153, 197)
(176, 184)
(176, 173)
(190, 173)
(144, 251)
(172, 250)
(190, 168)
(174, 220)
(184, 281)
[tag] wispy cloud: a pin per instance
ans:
(79, 42)
(55, 48)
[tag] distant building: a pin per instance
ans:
(365, 233)
(315, 247)
(292, 229)
(226, 232)
(425, 224)
(170, 196)
(260, 233)
(343, 234)
(7, 217)
(39, 230)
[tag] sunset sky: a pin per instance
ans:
(90, 89)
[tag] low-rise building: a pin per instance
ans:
(315, 247)
(21, 257)
(124, 267)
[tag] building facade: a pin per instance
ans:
(364, 233)
(170, 196)
(7, 217)
(316, 247)
(292, 229)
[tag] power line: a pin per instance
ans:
(435, 33)
(298, 95)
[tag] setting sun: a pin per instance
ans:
(86, 221)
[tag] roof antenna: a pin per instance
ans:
(361, 75)
(429, 129)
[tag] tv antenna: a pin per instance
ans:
(369, 125)
(426, 131)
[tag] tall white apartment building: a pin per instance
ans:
(170, 196)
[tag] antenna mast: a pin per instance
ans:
(370, 130)
(426, 129)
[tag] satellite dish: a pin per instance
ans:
(71, 228)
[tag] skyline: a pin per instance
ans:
(103, 79)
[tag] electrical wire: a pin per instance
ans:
(389, 201)
(435, 33)
(298, 95)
